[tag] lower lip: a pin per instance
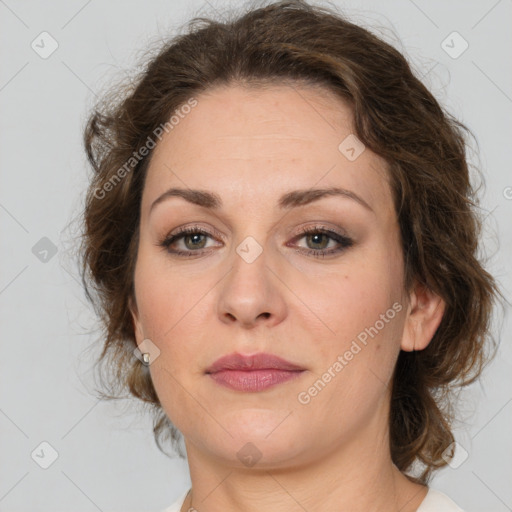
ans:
(253, 380)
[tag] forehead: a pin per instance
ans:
(238, 140)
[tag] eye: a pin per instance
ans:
(317, 235)
(194, 239)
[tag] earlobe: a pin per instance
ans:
(424, 316)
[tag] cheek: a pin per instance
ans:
(343, 304)
(363, 310)
(169, 321)
(354, 369)
(173, 309)
(165, 298)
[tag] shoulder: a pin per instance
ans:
(176, 506)
(436, 501)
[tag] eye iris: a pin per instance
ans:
(194, 236)
(319, 235)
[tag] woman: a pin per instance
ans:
(282, 239)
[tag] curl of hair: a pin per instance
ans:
(394, 115)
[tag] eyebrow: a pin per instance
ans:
(289, 200)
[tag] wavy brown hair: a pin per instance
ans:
(394, 115)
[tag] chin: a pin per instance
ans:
(260, 454)
(264, 434)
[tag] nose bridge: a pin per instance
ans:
(250, 290)
(253, 243)
(250, 268)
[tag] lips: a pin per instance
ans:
(252, 373)
(261, 361)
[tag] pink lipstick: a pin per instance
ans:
(252, 373)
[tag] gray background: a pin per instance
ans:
(107, 459)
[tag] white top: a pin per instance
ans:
(434, 501)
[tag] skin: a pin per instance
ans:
(250, 146)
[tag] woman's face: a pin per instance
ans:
(330, 301)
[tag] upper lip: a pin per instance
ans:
(261, 361)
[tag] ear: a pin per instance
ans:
(137, 324)
(424, 315)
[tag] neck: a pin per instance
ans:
(357, 477)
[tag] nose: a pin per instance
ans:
(251, 294)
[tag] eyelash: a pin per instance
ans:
(345, 241)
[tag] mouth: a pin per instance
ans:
(253, 373)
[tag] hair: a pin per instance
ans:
(394, 115)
